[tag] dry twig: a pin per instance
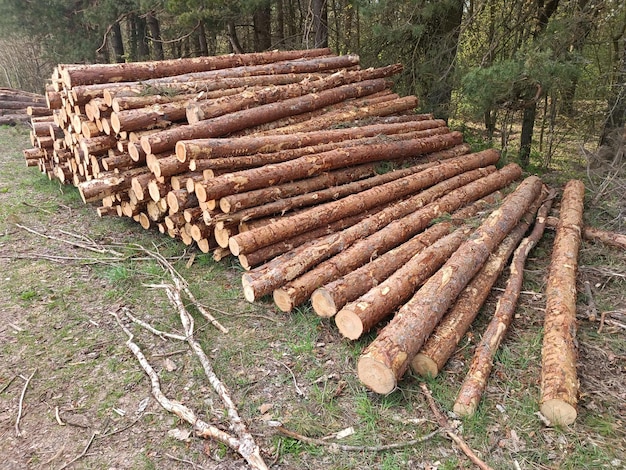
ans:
(81, 455)
(445, 425)
(18, 433)
(350, 448)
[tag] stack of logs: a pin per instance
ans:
(283, 159)
(20, 106)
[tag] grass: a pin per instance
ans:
(84, 365)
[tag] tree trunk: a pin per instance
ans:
(559, 383)
(299, 290)
(476, 379)
(442, 343)
(320, 22)
(155, 37)
(616, 115)
(239, 146)
(262, 26)
(332, 297)
(117, 43)
(526, 138)
(143, 50)
(233, 38)
(386, 359)
(250, 117)
(266, 279)
(306, 166)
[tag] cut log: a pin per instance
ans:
(208, 109)
(157, 116)
(332, 297)
(476, 379)
(386, 359)
(223, 125)
(228, 147)
(614, 239)
(559, 382)
(108, 184)
(180, 199)
(73, 75)
(289, 227)
(266, 279)
(237, 202)
(442, 343)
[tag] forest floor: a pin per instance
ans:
(88, 402)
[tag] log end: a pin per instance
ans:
(235, 249)
(349, 324)
(424, 366)
(243, 260)
(200, 191)
(558, 411)
(222, 236)
(144, 220)
(464, 409)
(283, 300)
(323, 303)
(181, 152)
(248, 293)
(115, 124)
(203, 245)
(376, 375)
(225, 205)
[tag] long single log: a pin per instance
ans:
(108, 184)
(332, 297)
(241, 201)
(614, 239)
(208, 109)
(223, 125)
(126, 103)
(559, 382)
(442, 343)
(397, 232)
(73, 75)
(228, 147)
(289, 227)
(386, 359)
(265, 279)
(475, 381)
(157, 116)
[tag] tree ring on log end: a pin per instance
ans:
(376, 376)
(424, 366)
(349, 324)
(558, 411)
(283, 300)
(323, 303)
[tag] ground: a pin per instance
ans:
(89, 400)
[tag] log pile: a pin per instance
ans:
(324, 183)
(19, 106)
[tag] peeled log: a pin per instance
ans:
(228, 147)
(442, 343)
(332, 297)
(223, 125)
(315, 164)
(476, 379)
(73, 75)
(361, 252)
(386, 359)
(559, 382)
(267, 279)
(613, 239)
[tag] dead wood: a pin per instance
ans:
(559, 382)
(614, 239)
(476, 379)
(386, 359)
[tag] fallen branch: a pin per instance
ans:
(350, 448)
(81, 455)
(445, 425)
(18, 433)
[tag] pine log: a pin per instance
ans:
(475, 381)
(223, 125)
(208, 109)
(228, 147)
(332, 297)
(288, 227)
(442, 343)
(73, 75)
(386, 359)
(237, 202)
(157, 116)
(126, 103)
(108, 184)
(559, 382)
(181, 199)
(614, 239)
(265, 279)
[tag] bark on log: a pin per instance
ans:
(475, 381)
(289, 227)
(559, 382)
(108, 184)
(397, 232)
(157, 116)
(241, 201)
(208, 109)
(73, 75)
(223, 125)
(229, 147)
(442, 343)
(332, 297)
(614, 239)
(266, 279)
(386, 359)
